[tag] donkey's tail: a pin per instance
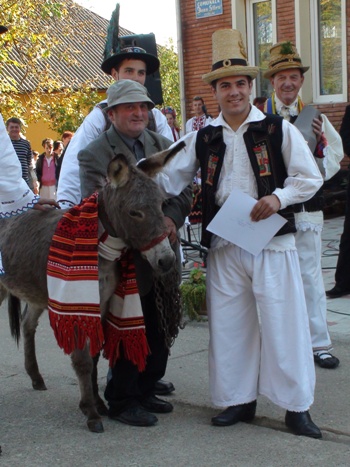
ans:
(15, 315)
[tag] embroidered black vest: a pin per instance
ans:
(316, 203)
(263, 142)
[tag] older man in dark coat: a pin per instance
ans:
(130, 393)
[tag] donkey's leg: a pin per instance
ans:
(108, 277)
(108, 274)
(29, 324)
(83, 367)
(99, 403)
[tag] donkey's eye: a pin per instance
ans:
(134, 213)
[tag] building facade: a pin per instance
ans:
(320, 30)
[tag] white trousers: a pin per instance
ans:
(246, 360)
(309, 246)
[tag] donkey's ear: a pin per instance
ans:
(152, 165)
(118, 172)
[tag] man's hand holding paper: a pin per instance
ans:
(237, 221)
(265, 207)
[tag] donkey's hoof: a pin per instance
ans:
(39, 385)
(95, 426)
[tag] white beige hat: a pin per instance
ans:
(284, 56)
(127, 91)
(229, 56)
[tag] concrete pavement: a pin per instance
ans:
(338, 308)
(47, 428)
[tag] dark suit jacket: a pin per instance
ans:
(345, 131)
(93, 163)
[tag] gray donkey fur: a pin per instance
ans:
(131, 202)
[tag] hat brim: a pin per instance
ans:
(126, 100)
(269, 73)
(3, 29)
(152, 62)
(251, 71)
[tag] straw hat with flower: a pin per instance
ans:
(229, 56)
(284, 56)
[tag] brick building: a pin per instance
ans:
(319, 28)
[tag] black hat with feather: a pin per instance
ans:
(115, 51)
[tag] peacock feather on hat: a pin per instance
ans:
(112, 41)
(118, 48)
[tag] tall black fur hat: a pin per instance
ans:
(115, 52)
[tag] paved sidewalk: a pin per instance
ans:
(338, 308)
(46, 428)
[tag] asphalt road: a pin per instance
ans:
(47, 429)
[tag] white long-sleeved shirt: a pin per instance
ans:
(329, 165)
(302, 182)
(68, 190)
(15, 195)
(192, 123)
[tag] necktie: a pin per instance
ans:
(285, 112)
(138, 150)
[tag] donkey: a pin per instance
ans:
(131, 203)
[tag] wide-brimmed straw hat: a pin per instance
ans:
(229, 56)
(131, 53)
(3, 29)
(284, 56)
(127, 91)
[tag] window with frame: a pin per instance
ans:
(328, 23)
(261, 36)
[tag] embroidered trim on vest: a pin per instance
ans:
(263, 141)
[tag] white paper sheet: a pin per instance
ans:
(233, 223)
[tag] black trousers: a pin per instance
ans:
(342, 273)
(128, 386)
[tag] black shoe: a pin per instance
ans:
(135, 416)
(163, 388)
(301, 424)
(337, 292)
(156, 405)
(235, 414)
(329, 362)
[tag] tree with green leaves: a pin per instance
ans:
(169, 73)
(35, 44)
(41, 60)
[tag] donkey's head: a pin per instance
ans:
(133, 204)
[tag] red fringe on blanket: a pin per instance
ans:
(74, 332)
(133, 341)
(72, 261)
(125, 326)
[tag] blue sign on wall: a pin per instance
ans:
(205, 8)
